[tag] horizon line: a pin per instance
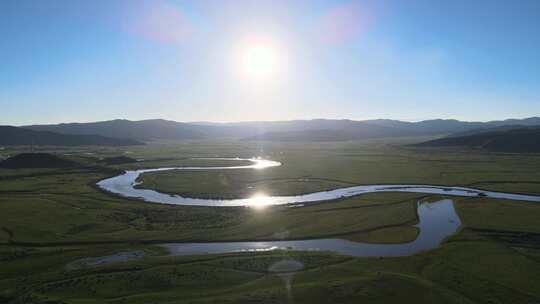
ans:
(272, 121)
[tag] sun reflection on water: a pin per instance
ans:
(263, 163)
(260, 201)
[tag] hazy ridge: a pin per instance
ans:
(305, 130)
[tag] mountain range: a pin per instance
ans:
(121, 132)
(308, 130)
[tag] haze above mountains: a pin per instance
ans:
(126, 132)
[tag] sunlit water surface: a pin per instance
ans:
(125, 183)
(437, 221)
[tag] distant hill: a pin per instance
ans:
(37, 160)
(426, 127)
(170, 130)
(306, 130)
(513, 140)
(442, 126)
(14, 136)
(485, 130)
(336, 131)
(326, 130)
(120, 128)
(306, 135)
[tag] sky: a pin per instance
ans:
(81, 61)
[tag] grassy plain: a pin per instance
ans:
(50, 218)
(324, 166)
(452, 274)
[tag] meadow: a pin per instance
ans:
(52, 217)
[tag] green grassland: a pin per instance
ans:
(308, 168)
(59, 211)
(50, 218)
(452, 274)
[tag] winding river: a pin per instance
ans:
(124, 185)
(436, 220)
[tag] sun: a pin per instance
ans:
(259, 61)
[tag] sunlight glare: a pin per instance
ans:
(259, 61)
(260, 163)
(260, 201)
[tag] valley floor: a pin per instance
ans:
(52, 217)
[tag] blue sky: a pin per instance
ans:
(75, 60)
